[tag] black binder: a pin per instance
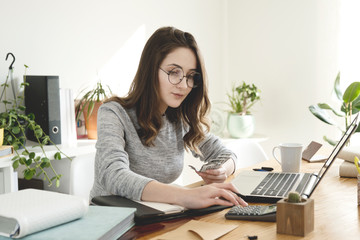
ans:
(146, 215)
(42, 98)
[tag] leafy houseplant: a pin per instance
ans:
(15, 124)
(243, 97)
(240, 121)
(349, 105)
(88, 105)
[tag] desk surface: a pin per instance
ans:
(337, 215)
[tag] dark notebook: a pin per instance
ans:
(146, 215)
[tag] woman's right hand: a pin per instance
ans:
(211, 194)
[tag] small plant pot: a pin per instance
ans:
(91, 121)
(295, 218)
(240, 126)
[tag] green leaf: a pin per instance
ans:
(337, 89)
(326, 106)
(57, 183)
(32, 155)
(38, 132)
(321, 114)
(16, 130)
(16, 164)
(352, 92)
(357, 129)
(45, 164)
(57, 156)
(25, 153)
(22, 160)
(29, 173)
(28, 162)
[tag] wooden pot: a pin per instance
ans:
(91, 121)
(295, 218)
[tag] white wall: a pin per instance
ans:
(287, 48)
(79, 39)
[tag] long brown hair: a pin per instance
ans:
(144, 90)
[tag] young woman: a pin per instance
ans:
(142, 137)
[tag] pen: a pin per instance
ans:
(264, 169)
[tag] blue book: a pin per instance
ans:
(98, 223)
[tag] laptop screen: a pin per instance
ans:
(315, 178)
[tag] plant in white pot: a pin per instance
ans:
(241, 122)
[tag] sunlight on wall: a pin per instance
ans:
(349, 39)
(120, 70)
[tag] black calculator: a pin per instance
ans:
(265, 213)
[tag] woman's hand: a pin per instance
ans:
(218, 175)
(212, 194)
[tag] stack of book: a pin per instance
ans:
(348, 168)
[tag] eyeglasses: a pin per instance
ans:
(176, 75)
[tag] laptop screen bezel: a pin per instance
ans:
(336, 150)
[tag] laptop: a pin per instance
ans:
(270, 187)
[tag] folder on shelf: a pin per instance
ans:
(152, 212)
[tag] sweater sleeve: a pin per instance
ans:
(212, 147)
(112, 169)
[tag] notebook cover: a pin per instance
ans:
(36, 210)
(98, 223)
(146, 215)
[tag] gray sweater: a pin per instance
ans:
(123, 165)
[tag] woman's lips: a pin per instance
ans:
(178, 95)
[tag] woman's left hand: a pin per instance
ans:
(218, 175)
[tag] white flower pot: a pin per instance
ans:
(240, 126)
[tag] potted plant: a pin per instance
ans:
(89, 104)
(15, 123)
(349, 102)
(240, 121)
(295, 215)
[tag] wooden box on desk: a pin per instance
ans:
(295, 218)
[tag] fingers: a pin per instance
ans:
(214, 175)
(224, 194)
(233, 190)
(233, 198)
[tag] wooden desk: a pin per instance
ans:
(337, 215)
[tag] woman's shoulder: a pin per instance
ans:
(113, 107)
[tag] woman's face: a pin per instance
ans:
(172, 95)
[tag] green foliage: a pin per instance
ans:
(98, 94)
(15, 124)
(293, 197)
(243, 97)
(349, 105)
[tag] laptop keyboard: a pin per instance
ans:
(278, 184)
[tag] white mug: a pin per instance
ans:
(290, 156)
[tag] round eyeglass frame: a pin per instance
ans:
(184, 76)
